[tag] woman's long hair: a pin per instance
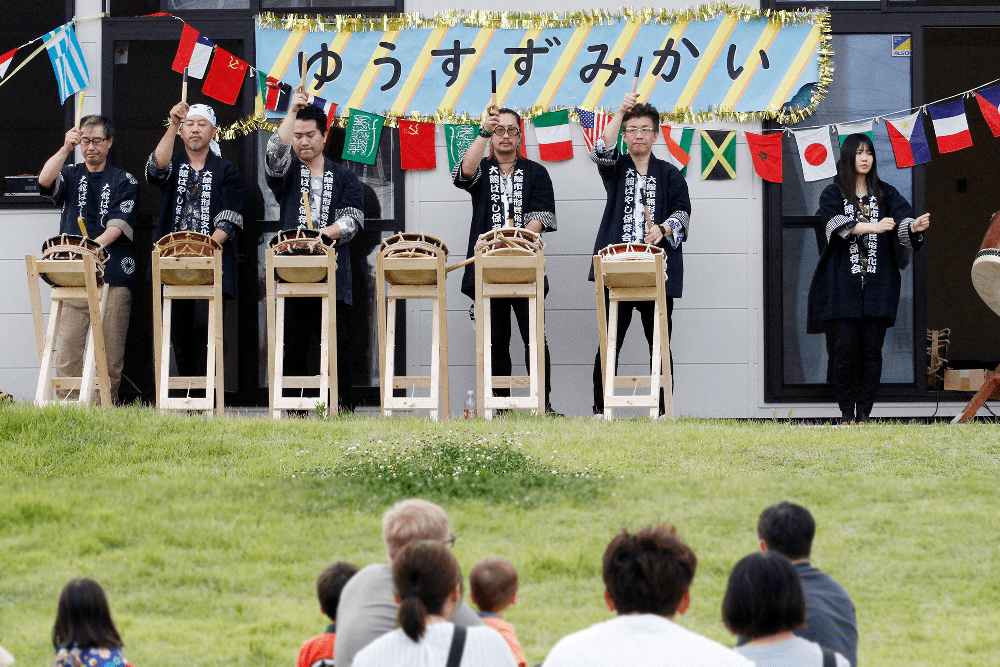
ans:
(84, 618)
(847, 174)
(424, 573)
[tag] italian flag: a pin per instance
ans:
(552, 132)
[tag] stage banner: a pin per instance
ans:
(713, 62)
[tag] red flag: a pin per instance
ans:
(522, 149)
(189, 38)
(765, 149)
(225, 78)
(416, 145)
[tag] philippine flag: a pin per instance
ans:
(989, 102)
(909, 143)
(815, 153)
(950, 126)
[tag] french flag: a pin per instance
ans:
(909, 143)
(7, 57)
(950, 126)
(989, 102)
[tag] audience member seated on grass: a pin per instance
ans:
(318, 651)
(647, 579)
(6, 659)
(428, 587)
(789, 529)
(84, 633)
(764, 602)
(493, 588)
(367, 608)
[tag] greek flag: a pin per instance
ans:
(67, 60)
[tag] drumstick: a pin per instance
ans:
(493, 99)
(303, 70)
(79, 109)
(309, 218)
(184, 86)
(460, 265)
(83, 227)
(635, 81)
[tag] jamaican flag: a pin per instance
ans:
(718, 155)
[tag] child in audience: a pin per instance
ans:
(493, 588)
(318, 651)
(84, 633)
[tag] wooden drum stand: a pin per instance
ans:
(633, 272)
(510, 263)
(188, 265)
(412, 266)
(72, 280)
(303, 275)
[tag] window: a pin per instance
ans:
(31, 132)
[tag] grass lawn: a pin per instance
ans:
(208, 535)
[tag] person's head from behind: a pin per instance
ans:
(788, 529)
(427, 582)
(411, 520)
(493, 584)
(648, 572)
(857, 159)
(329, 585)
(83, 619)
(641, 124)
(764, 596)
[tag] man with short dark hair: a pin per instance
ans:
(295, 167)
(789, 529)
(647, 579)
(368, 606)
(507, 191)
(202, 192)
(648, 202)
(106, 198)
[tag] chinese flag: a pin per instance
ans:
(416, 145)
(765, 149)
(225, 78)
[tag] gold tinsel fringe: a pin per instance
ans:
(533, 20)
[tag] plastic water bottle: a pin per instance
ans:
(470, 405)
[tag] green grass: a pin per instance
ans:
(138, 442)
(208, 534)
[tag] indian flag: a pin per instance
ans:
(552, 132)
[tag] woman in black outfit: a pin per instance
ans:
(870, 230)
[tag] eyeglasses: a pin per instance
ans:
(97, 141)
(509, 131)
(632, 131)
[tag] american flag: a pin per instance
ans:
(593, 125)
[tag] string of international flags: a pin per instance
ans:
(224, 74)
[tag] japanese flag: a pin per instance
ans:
(816, 153)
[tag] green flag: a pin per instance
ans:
(458, 138)
(718, 155)
(363, 132)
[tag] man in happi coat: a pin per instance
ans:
(647, 203)
(507, 191)
(294, 165)
(106, 198)
(202, 193)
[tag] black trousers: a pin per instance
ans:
(857, 363)
(625, 308)
(303, 317)
(500, 332)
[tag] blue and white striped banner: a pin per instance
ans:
(67, 60)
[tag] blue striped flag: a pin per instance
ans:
(67, 60)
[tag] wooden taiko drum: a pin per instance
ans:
(67, 247)
(301, 241)
(510, 242)
(986, 266)
(642, 263)
(187, 244)
(411, 245)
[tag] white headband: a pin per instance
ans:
(202, 110)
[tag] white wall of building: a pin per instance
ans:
(718, 324)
